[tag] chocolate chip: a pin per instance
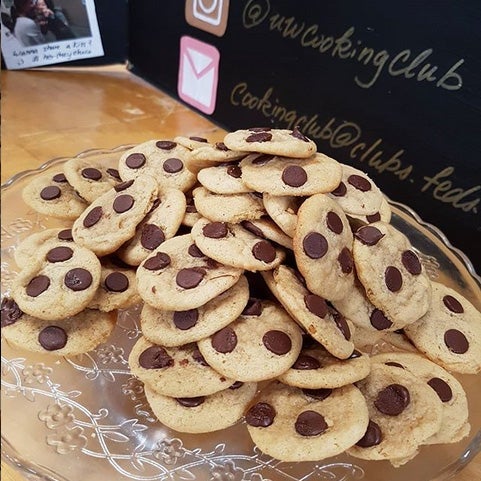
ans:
(345, 260)
(277, 342)
(334, 222)
(194, 251)
(221, 146)
(393, 278)
(298, 134)
(78, 279)
(319, 394)
(306, 362)
(392, 400)
(442, 388)
(37, 285)
(157, 262)
(340, 190)
(113, 173)
(359, 182)
(234, 171)
(60, 178)
(165, 144)
(189, 278)
(341, 324)
(411, 262)
(372, 436)
(50, 193)
(198, 357)
(453, 304)
(373, 217)
(59, 254)
(264, 251)
(215, 230)
(151, 236)
(315, 245)
(52, 338)
(310, 423)
(316, 304)
(260, 415)
(155, 357)
(394, 364)
(116, 282)
(224, 341)
(123, 203)
(259, 137)
(368, 235)
(184, 320)
(253, 307)
(294, 176)
(173, 165)
(211, 263)
(11, 313)
(93, 216)
(379, 320)
(248, 225)
(198, 139)
(123, 185)
(190, 206)
(135, 160)
(236, 385)
(456, 341)
(262, 159)
(190, 402)
(355, 354)
(65, 235)
(154, 206)
(91, 174)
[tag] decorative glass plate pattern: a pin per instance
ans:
(85, 418)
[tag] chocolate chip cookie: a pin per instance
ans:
(175, 277)
(261, 344)
(292, 424)
(112, 219)
(323, 247)
(286, 143)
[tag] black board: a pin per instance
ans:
(394, 90)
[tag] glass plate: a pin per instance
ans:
(85, 418)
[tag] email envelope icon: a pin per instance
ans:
(198, 74)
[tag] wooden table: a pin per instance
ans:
(61, 112)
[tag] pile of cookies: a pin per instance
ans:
(267, 273)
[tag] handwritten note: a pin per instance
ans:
(32, 42)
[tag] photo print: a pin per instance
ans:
(46, 32)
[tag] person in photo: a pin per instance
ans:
(25, 29)
(52, 19)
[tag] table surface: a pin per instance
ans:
(60, 112)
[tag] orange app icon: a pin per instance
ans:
(208, 15)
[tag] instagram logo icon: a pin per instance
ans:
(208, 15)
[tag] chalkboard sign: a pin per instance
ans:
(394, 90)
